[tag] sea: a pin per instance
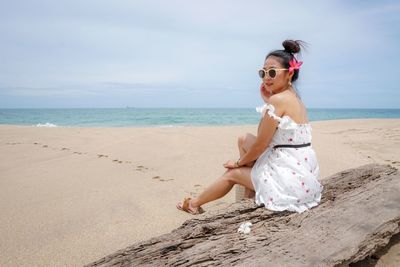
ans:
(166, 117)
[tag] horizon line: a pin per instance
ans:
(129, 107)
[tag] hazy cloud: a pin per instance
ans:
(197, 52)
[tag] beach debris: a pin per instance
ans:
(244, 228)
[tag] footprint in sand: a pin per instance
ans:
(45, 146)
(64, 148)
(198, 188)
(79, 153)
(161, 179)
(392, 161)
(12, 143)
(141, 168)
(114, 160)
(192, 194)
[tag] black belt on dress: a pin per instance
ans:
(294, 146)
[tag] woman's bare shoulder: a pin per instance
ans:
(279, 103)
(285, 103)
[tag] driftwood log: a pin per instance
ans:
(358, 214)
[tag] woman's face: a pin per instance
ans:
(282, 78)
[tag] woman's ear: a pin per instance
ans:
(290, 76)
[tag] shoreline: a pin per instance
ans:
(178, 126)
(71, 195)
(184, 117)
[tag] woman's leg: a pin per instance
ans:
(244, 144)
(223, 185)
(231, 177)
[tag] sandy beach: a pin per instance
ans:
(72, 195)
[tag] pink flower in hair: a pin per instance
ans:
(294, 65)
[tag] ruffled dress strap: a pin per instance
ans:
(270, 110)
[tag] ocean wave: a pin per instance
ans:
(47, 124)
(169, 126)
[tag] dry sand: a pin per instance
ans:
(69, 196)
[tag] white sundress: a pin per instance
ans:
(286, 178)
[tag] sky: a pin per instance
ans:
(201, 54)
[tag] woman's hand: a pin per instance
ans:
(264, 94)
(230, 164)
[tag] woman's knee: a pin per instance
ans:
(231, 176)
(240, 176)
(241, 140)
(246, 139)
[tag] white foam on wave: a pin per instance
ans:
(169, 126)
(47, 124)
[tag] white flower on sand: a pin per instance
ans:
(245, 227)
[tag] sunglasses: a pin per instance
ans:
(270, 73)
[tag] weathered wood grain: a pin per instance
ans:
(358, 214)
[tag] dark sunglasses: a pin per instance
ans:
(270, 73)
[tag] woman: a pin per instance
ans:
(279, 164)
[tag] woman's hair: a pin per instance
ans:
(291, 47)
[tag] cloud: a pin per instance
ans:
(104, 48)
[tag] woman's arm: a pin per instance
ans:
(264, 94)
(264, 137)
(266, 131)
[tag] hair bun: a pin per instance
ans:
(291, 46)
